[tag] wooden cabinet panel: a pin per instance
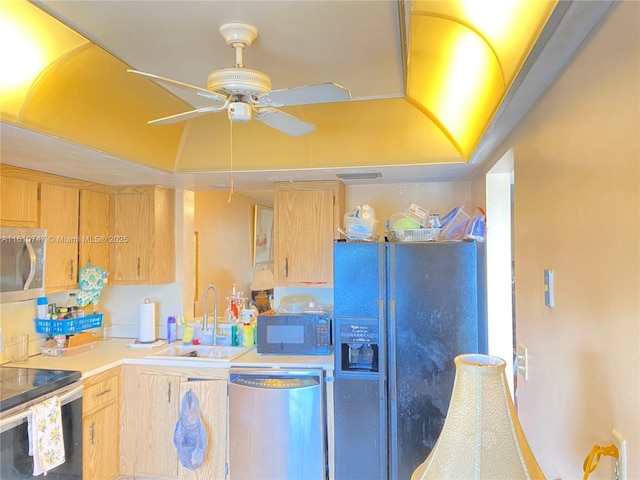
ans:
(142, 229)
(94, 229)
(131, 221)
(305, 216)
(151, 399)
(160, 403)
(100, 444)
(212, 399)
(59, 215)
(100, 391)
(18, 202)
(100, 420)
(150, 406)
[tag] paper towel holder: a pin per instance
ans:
(147, 324)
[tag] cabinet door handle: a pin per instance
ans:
(91, 433)
(286, 267)
(169, 393)
(138, 266)
(70, 269)
(104, 392)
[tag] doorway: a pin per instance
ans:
(500, 286)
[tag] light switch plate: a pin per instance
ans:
(548, 288)
(522, 357)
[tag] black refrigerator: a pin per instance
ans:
(402, 312)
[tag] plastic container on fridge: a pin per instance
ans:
(359, 228)
(454, 224)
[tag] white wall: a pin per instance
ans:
(576, 211)
(225, 232)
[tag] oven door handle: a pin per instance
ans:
(18, 418)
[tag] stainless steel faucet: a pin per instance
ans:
(205, 319)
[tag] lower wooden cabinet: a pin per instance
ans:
(100, 420)
(151, 400)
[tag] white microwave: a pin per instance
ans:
(22, 261)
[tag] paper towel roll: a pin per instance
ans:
(147, 327)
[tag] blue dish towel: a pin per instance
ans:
(190, 435)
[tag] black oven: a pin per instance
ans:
(21, 388)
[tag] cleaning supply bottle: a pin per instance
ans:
(171, 329)
(234, 302)
(197, 333)
(248, 334)
(239, 334)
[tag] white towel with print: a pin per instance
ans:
(46, 444)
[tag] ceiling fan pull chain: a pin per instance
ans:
(230, 154)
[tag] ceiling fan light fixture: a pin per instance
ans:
(240, 112)
(239, 81)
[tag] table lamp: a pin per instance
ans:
(261, 288)
(482, 437)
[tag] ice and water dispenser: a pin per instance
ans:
(357, 348)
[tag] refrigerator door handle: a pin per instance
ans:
(382, 395)
(392, 389)
(383, 352)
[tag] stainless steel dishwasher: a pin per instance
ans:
(276, 424)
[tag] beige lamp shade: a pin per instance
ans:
(482, 437)
(262, 280)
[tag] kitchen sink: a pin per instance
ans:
(216, 353)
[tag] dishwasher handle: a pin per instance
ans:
(276, 381)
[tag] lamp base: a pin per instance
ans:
(262, 299)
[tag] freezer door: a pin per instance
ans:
(358, 279)
(360, 401)
(433, 317)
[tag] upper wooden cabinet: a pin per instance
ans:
(18, 202)
(306, 215)
(59, 215)
(74, 212)
(94, 229)
(142, 235)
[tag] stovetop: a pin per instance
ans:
(19, 385)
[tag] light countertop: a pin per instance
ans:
(114, 352)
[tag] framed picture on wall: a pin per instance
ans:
(262, 235)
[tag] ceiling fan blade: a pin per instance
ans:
(201, 91)
(181, 117)
(284, 122)
(322, 93)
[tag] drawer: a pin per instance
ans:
(101, 390)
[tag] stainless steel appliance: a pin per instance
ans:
(22, 262)
(277, 425)
(402, 312)
(294, 334)
(20, 389)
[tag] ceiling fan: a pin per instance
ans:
(247, 94)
